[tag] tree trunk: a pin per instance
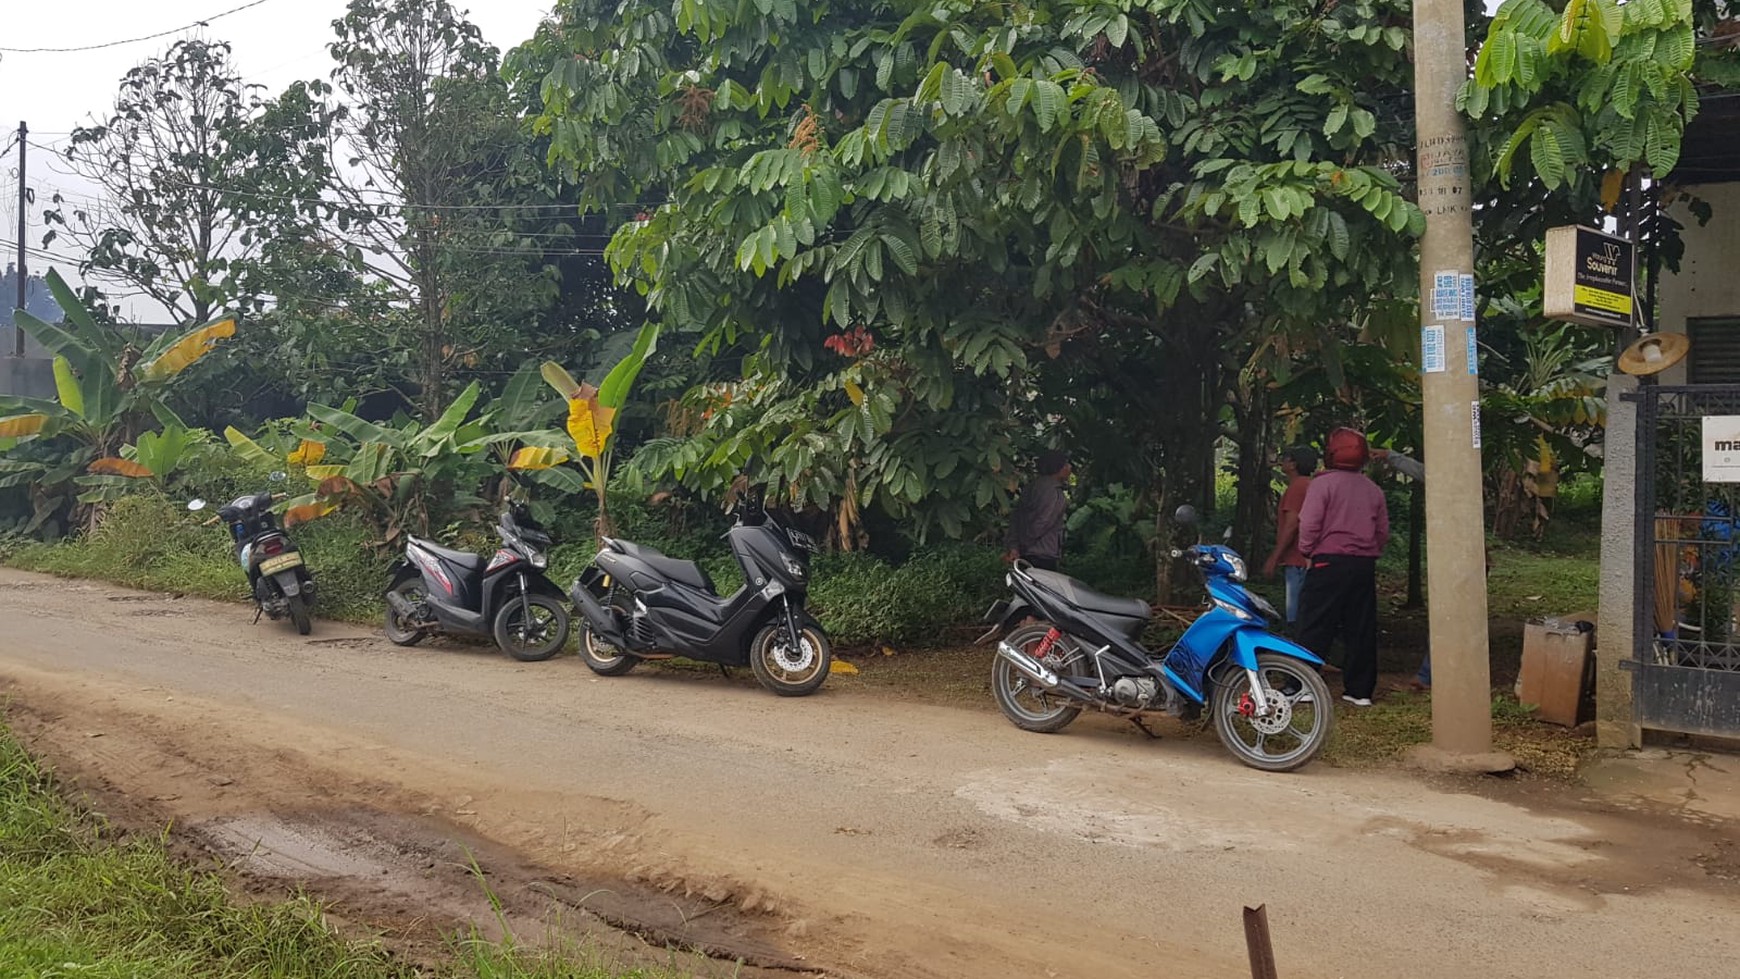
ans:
(1254, 513)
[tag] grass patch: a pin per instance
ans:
(1379, 734)
(76, 901)
(150, 543)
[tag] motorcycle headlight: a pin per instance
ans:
(539, 561)
(1226, 606)
(1239, 571)
(794, 567)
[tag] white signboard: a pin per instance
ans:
(1722, 448)
(1432, 349)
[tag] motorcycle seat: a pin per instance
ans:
(676, 569)
(464, 560)
(1088, 600)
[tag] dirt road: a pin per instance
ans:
(846, 833)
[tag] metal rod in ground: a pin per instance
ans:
(1258, 944)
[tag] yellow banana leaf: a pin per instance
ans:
(309, 453)
(185, 351)
(22, 426)
(558, 377)
(841, 666)
(537, 457)
(324, 473)
(66, 386)
(855, 392)
(590, 423)
(248, 449)
(112, 466)
(303, 512)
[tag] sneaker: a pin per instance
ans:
(1357, 701)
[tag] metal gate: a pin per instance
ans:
(1686, 669)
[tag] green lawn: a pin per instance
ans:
(75, 901)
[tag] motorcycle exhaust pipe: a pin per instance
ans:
(1031, 668)
(401, 606)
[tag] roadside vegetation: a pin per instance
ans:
(78, 899)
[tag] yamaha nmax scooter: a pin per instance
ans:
(508, 596)
(638, 604)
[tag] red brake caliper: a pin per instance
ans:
(1247, 706)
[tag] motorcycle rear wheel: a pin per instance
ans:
(299, 615)
(1278, 742)
(1022, 702)
(398, 632)
(601, 657)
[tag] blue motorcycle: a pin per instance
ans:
(1073, 648)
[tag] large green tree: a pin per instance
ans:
(934, 233)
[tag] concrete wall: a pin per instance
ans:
(30, 377)
(1708, 283)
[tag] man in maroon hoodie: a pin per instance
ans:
(1343, 528)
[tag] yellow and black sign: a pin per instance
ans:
(1589, 277)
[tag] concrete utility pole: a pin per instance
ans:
(1450, 394)
(18, 330)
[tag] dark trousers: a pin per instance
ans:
(1340, 599)
(1042, 563)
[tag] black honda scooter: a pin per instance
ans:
(279, 582)
(434, 589)
(637, 604)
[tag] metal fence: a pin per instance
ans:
(1687, 661)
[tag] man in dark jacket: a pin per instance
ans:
(1343, 529)
(1036, 527)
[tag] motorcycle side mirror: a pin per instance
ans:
(277, 476)
(1184, 516)
(196, 505)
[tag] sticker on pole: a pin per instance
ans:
(1446, 296)
(1722, 448)
(1432, 350)
(1476, 415)
(1473, 352)
(1465, 293)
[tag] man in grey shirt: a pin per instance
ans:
(1036, 527)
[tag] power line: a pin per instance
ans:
(135, 40)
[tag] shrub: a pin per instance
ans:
(150, 542)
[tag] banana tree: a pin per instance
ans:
(591, 423)
(152, 459)
(107, 391)
(398, 474)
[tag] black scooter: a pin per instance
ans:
(637, 604)
(277, 579)
(434, 589)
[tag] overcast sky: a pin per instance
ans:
(276, 42)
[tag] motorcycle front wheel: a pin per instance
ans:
(1027, 705)
(1293, 728)
(791, 672)
(531, 628)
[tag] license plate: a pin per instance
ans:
(283, 562)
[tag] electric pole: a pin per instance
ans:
(1450, 400)
(17, 328)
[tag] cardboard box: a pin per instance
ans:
(1556, 668)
